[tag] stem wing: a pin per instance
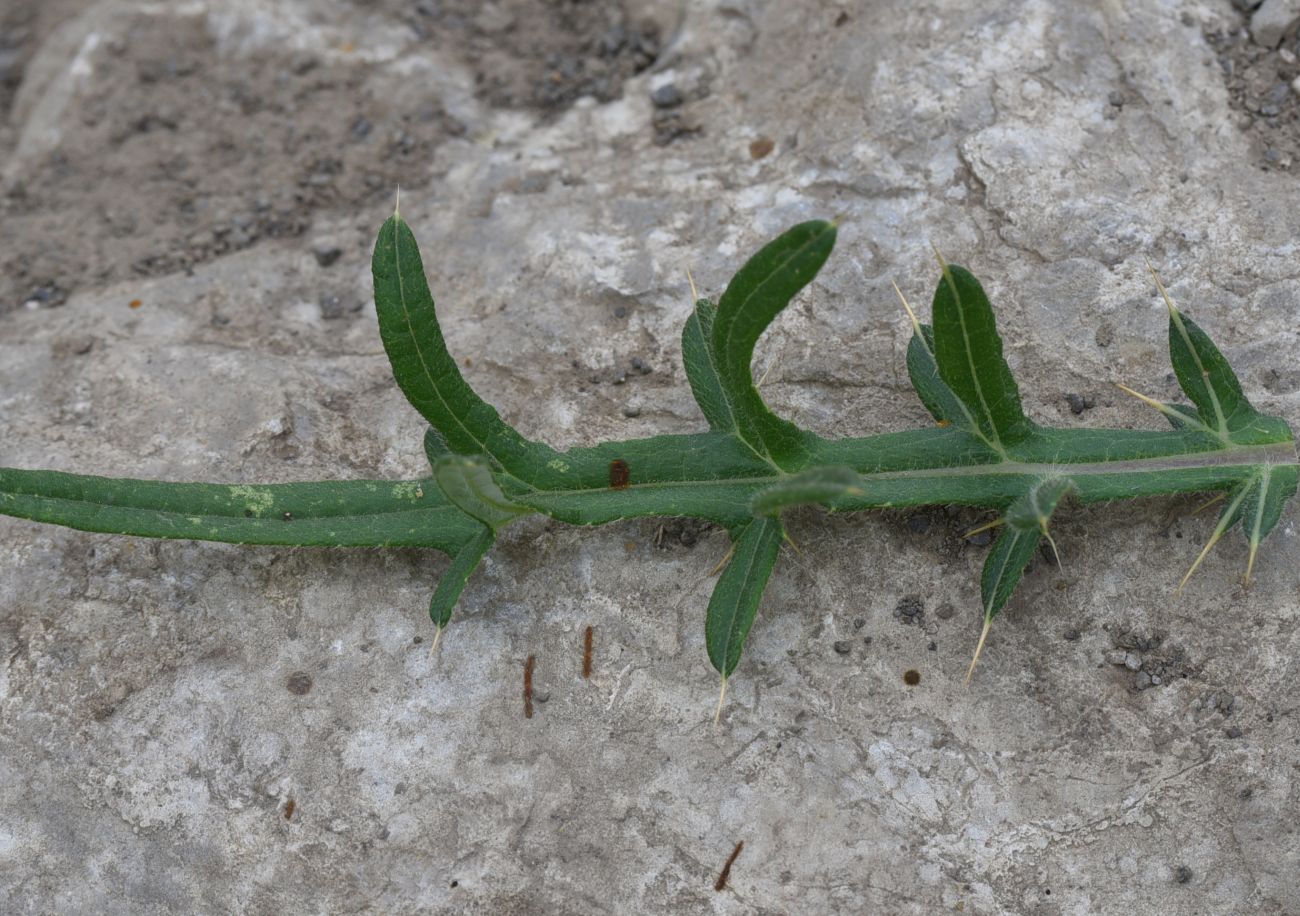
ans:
(968, 351)
(355, 513)
(739, 590)
(755, 296)
(816, 486)
(426, 372)
(1033, 510)
(468, 484)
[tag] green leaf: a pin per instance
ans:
(1263, 505)
(426, 372)
(933, 391)
(969, 353)
(450, 586)
(468, 484)
(1206, 377)
(354, 513)
(1005, 566)
(435, 445)
(816, 486)
(739, 590)
(755, 296)
(702, 370)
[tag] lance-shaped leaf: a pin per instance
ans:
(353, 513)
(969, 354)
(815, 486)
(1263, 505)
(933, 391)
(468, 484)
(452, 583)
(1027, 520)
(426, 372)
(755, 296)
(738, 592)
(702, 370)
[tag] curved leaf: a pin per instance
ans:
(755, 296)
(426, 372)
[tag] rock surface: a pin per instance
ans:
(191, 728)
(1273, 20)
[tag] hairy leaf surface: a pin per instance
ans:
(739, 590)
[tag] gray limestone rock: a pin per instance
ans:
(197, 728)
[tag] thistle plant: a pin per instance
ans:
(746, 470)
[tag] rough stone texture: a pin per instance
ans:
(205, 729)
(1271, 22)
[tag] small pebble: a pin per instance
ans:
(859, 623)
(1116, 657)
(667, 96)
(1156, 680)
(1071, 635)
(541, 696)
(1132, 661)
(1116, 98)
(1143, 680)
(843, 646)
(945, 612)
(1182, 874)
(933, 647)
(327, 254)
(1078, 403)
(1232, 731)
(631, 410)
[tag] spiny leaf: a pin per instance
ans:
(1264, 503)
(468, 484)
(816, 486)
(969, 354)
(738, 592)
(755, 296)
(452, 583)
(1206, 377)
(426, 372)
(1229, 517)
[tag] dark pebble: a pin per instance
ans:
(843, 646)
(1232, 731)
(933, 647)
(326, 255)
(630, 411)
(668, 96)
(1182, 874)
(859, 623)
(1078, 403)
(945, 612)
(910, 609)
(620, 311)
(331, 306)
(299, 683)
